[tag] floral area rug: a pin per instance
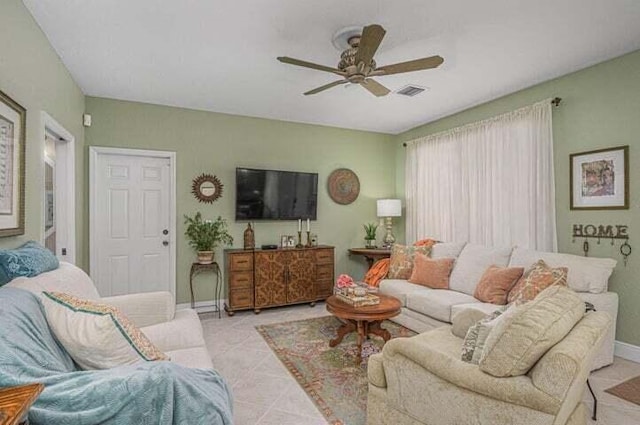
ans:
(330, 376)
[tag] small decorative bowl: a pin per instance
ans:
(360, 291)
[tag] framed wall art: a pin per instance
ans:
(599, 179)
(12, 145)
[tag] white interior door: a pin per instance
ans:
(132, 234)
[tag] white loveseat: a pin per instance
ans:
(177, 333)
(424, 309)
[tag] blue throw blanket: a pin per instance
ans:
(161, 393)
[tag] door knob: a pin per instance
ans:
(165, 232)
(165, 243)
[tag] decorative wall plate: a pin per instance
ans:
(206, 188)
(343, 186)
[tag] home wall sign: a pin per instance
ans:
(607, 232)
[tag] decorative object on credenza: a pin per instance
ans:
(206, 188)
(206, 235)
(599, 180)
(370, 230)
(12, 147)
(343, 186)
(249, 237)
(388, 208)
(602, 231)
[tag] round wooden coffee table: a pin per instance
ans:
(363, 320)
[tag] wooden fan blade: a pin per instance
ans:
(375, 87)
(298, 62)
(370, 40)
(410, 66)
(325, 87)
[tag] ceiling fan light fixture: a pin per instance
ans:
(341, 37)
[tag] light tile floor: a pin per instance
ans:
(266, 394)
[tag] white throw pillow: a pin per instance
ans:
(586, 274)
(96, 336)
(473, 261)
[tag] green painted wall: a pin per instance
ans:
(32, 74)
(600, 108)
(218, 143)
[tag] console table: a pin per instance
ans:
(258, 279)
(371, 254)
(196, 269)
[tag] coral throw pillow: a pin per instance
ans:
(538, 278)
(377, 272)
(96, 336)
(496, 282)
(431, 273)
(401, 264)
(426, 242)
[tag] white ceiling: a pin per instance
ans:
(221, 55)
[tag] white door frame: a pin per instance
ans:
(66, 161)
(94, 153)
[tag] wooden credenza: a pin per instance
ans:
(276, 277)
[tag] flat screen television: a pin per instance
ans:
(275, 195)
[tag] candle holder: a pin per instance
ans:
(299, 244)
(308, 245)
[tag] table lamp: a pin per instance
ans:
(388, 208)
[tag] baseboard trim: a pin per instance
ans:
(627, 351)
(202, 306)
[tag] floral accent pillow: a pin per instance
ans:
(538, 278)
(474, 341)
(402, 259)
(96, 336)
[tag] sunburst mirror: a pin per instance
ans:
(206, 188)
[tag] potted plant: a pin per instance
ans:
(370, 235)
(205, 235)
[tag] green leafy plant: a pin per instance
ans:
(370, 231)
(206, 235)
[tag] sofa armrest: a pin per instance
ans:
(375, 371)
(145, 309)
(438, 352)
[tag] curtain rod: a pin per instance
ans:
(555, 102)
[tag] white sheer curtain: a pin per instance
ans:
(490, 182)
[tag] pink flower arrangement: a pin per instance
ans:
(344, 281)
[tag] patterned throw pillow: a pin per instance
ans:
(538, 278)
(401, 264)
(29, 260)
(96, 336)
(377, 272)
(431, 273)
(474, 341)
(495, 284)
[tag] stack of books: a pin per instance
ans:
(357, 300)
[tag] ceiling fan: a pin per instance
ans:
(357, 64)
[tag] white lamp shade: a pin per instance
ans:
(389, 208)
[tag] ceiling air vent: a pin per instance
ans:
(411, 90)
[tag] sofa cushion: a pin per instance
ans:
(96, 335)
(462, 320)
(193, 358)
(473, 261)
(437, 303)
(402, 257)
(538, 278)
(586, 274)
(486, 308)
(447, 249)
(67, 278)
(28, 260)
(431, 273)
(518, 342)
(496, 282)
(400, 288)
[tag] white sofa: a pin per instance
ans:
(177, 333)
(424, 309)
